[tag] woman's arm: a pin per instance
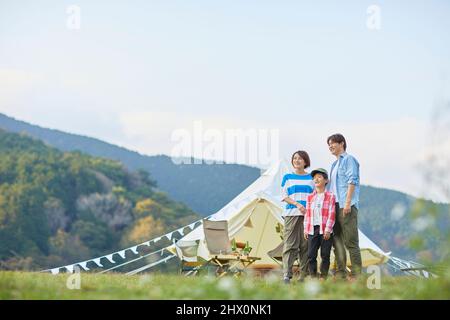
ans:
(295, 203)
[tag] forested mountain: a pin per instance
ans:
(388, 217)
(190, 184)
(61, 207)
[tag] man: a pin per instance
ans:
(344, 184)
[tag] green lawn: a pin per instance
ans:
(21, 285)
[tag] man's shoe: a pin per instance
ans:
(287, 281)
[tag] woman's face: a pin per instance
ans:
(298, 162)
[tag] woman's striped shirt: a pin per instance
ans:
(297, 187)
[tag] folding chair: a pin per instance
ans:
(187, 252)
(221, 253)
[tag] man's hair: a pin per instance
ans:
(338, 138)
(304, 155)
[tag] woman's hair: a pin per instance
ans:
(304, 155)
(338, 138)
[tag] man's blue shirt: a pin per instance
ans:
(347, 173)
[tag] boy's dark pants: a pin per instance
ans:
(345, 236)
(315, 242)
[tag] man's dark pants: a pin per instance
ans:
(346, 237)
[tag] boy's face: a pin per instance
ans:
(319, 180)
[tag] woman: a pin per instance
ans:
(296, 187)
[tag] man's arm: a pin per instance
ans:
(348, 200)
(352, 173)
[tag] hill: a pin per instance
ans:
(390, 218)
(185, 183)
(60, 207)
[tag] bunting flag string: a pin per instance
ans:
(122, 252)
(150, 265)
(134, 249)
(133, 260)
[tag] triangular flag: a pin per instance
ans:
(110, 258)
(191, 226)
(122, 254)
(69, 268)
(134, 249)
(157, 239)
(181, 231)
(83, 265)
(248, 224)
(169, 236)
(97, 262)
(146, 243)
(55, 271)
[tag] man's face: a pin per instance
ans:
(336, 148)
(298, 162)
(319, 180)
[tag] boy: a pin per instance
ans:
(318, 223)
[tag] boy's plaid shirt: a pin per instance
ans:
(328, 213)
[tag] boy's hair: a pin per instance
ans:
(304, 155)
(338, 138)
(324, 175)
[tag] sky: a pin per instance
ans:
(142, 74)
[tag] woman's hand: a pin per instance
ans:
(305, 235)
(301, 208)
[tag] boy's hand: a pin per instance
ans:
(305, 235)
(326, 236)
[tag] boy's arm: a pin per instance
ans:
(331, 215)
(307, 219)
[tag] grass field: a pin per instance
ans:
(21, 285)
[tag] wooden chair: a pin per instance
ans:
(220, 249)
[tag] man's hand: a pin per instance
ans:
(347, 209)
(305, 235)
(326, 236)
